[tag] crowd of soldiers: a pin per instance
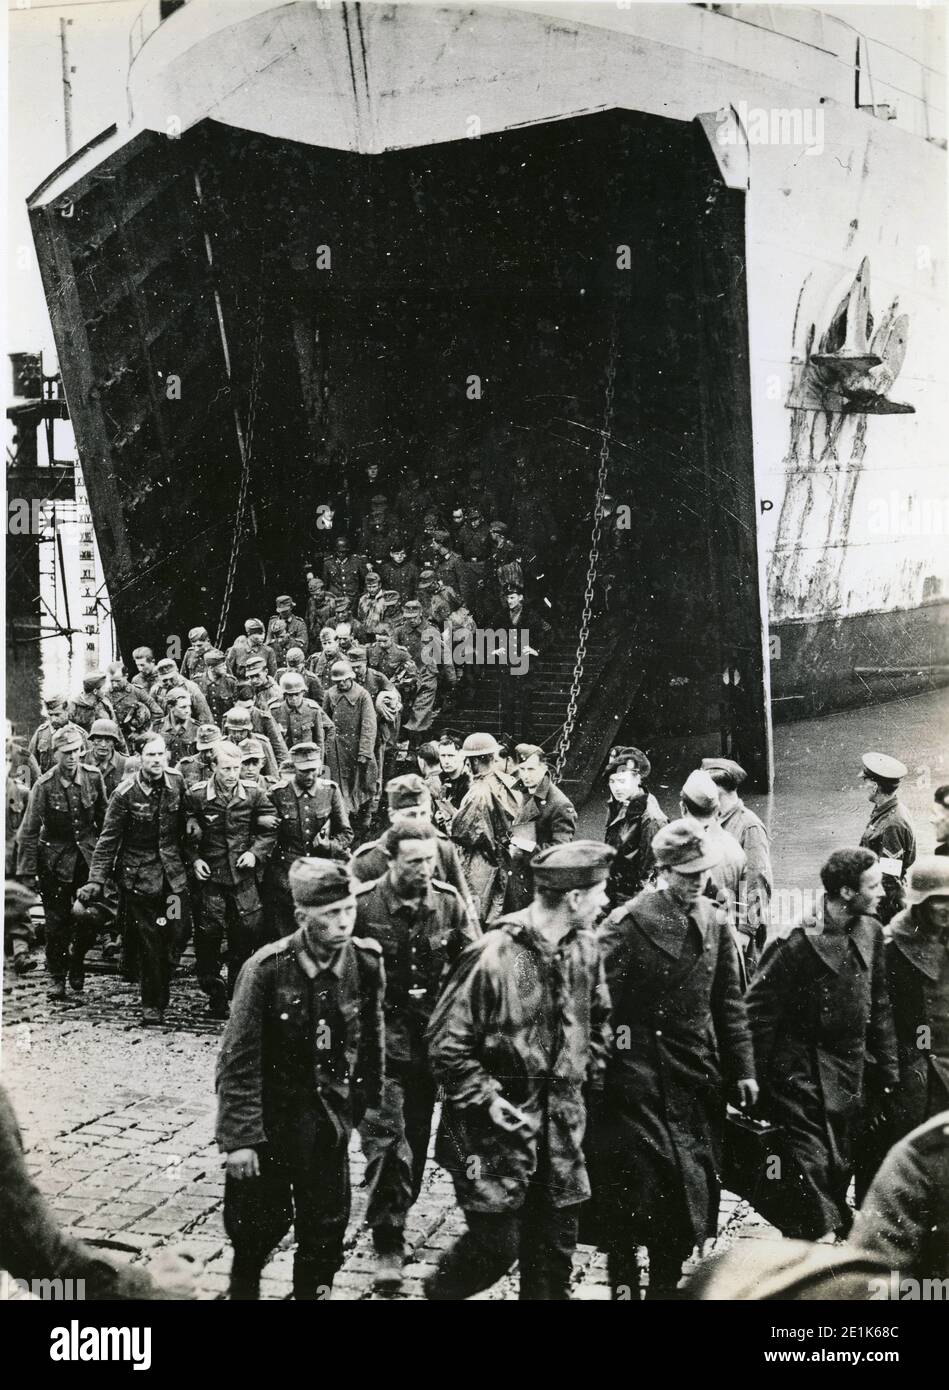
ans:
(587, 1010)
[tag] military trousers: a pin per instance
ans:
(67, 940)
(540, 1236)
(151, 923)
(234, 914)
(395, 1140)
(308, 1190)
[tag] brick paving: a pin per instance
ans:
(118, 1119)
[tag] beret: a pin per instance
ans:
(701, 791)
(306, 755)
(409, 790)
(319, 882)
(881, 765)
(624, 754)
(679, 846)
(579, 864)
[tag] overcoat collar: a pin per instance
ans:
(661, 919)
(834, 949)
(924, 950)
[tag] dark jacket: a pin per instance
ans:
(917, 969)
(51, 836)
(137, 848)
(276, 1075)
(301, 816)
(818, 1006)
(905, 1215)
(630, 830)
(890, 835)
(545, 817)
(370, 862)
(226, 830)
(528, 1021)
(680, 1035)
(220, 694)
(419, 946)
(305, 725)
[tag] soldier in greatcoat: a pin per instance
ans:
(680, 1042)
(819, 1007)
(353, 761)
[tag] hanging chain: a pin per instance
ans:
(570, 718)
(247, 451)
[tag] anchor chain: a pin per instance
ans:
(247, 452)
(570, 719)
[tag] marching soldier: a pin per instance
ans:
(818, 1007)
(518, 1036)
(170, 679)
(199, 765)
(311, 823)
(456, 779)
(146, 672)
(398, 571)
(296, 629)
(349, 707)
(178, 729)
(301, 1058)
(136, 713)
(265, 689)
(296, 661)
(56, 841)
(93, 703)
(217, 686)
(192, 663)
(889, 833)
(757, 880)
(299, 719)
(41, 744)
(319, 609)
(262, 725)
(680, 1036)
(409, 799)
(142, 846)
(234, 829)
(344, 573)
(545, 817)
(252, 767)
(249, 645)
(105, 742)
(422, 925)
(482, 826)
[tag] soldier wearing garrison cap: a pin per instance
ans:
(535, 984)
(681, 1040)
(216, 684)
(408, 799)
(142, 847)
(311, 821)
(199, 766)
(250, 644)
(422, 925)
(170, 679)
(633, 816)
(266, 690)
(296, 634)
(93, 702)
(56, 842)
(41, 744)
(889, 832)
(301, 1058)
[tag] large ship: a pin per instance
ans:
(682, 267)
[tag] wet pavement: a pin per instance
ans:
(118, 1119)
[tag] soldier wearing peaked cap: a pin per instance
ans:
(216, 684)
(422, 925)
(680, 1038)
(199, 766)
(93, 702)
(301, 1058)
(517, 1037)
(41, 744)
(889, 832)
(56, 842)
(311, 822)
